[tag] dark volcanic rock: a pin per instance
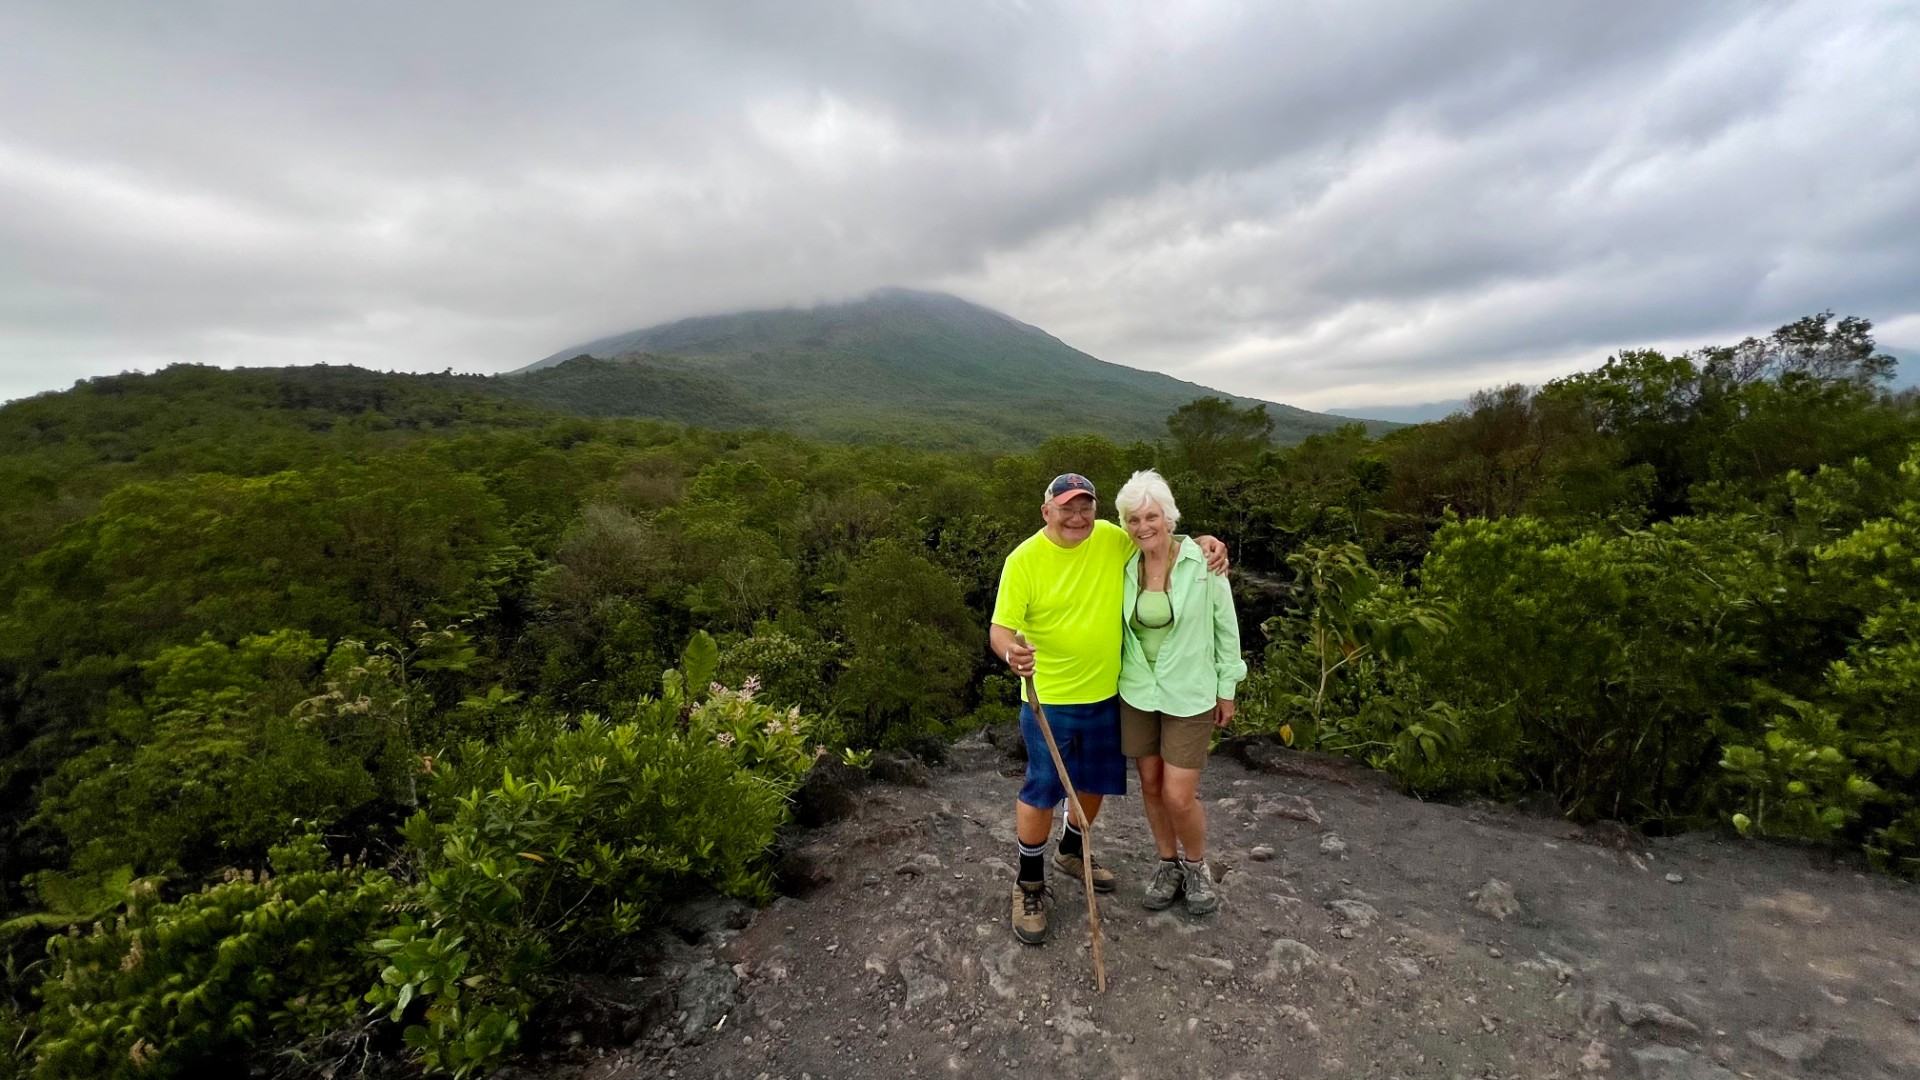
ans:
(831, 792)
(602, 1010)
(1007, 738)
(900, 769)
(803, 869)
(1267, 754)
(707, 914)
(928, 749)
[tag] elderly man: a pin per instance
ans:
(1061, 589)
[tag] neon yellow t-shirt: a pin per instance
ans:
(1067, 603)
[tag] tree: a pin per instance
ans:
(1212, 438)
(913, 641)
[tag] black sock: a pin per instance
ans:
(1033, 863)
(1071, 840)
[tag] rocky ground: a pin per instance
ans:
(1363, 934)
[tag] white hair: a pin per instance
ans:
(1146, 486)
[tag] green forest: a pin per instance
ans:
(345, 715)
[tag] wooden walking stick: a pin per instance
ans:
(1086, 834)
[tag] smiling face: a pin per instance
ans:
(1148, 526)
(1072, 523)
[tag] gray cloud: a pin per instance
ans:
(1321, 204)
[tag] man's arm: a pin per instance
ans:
(1012, 652)
(1215, 551)
(1210, 546)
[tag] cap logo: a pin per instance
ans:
(1066, 486)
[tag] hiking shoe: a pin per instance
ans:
(1070, 866)
(1165, 887)
(1030, 911)
(1201, 897)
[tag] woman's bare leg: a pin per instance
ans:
(1152, 772)
(1178, 797)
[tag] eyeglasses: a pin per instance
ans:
(1089, 510)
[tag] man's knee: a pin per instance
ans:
(1179, 798)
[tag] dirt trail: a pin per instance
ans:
(1365, 943)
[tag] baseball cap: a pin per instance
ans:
(1066, 486)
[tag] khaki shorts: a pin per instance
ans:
(1177, 740)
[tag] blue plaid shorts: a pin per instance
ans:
(1089, 738)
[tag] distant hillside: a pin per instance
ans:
(913, 367)
(1406, 414)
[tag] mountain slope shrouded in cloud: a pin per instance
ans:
(1405, 414)
(897, 365)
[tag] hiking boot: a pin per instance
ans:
(1165, 887)
(1201, 897)
(1030, 911)
(1070, 866)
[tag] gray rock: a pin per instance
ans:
(1403, 967)
(1673, 1063)
(1356, 912)
(923, 985)
(1648, 1014)
(1261, 853)
(1300, 1017)
(1211, 965)
(1674, 879)
(1290, 957)
(1001, 967)
(1495, 899)
(706, 993)
(1549, 965)
(1334, 846)
(924, 863)
(1297, 807)
(1792, 1047)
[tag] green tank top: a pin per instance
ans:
(1152, 620)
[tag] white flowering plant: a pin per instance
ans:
(770, 742)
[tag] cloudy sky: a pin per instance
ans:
(1323, 203)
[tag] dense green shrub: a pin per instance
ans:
(1604, 668)
(1846, 764)
(215, 763)
(537, 851)
(793, 667)
(1335, 675)
(165, 989)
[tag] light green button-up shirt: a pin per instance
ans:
(1199, 662)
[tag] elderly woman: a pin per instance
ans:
(1179, 664)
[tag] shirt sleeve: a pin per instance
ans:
(1229, 667)
(1010, 604)
(1119, 546)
